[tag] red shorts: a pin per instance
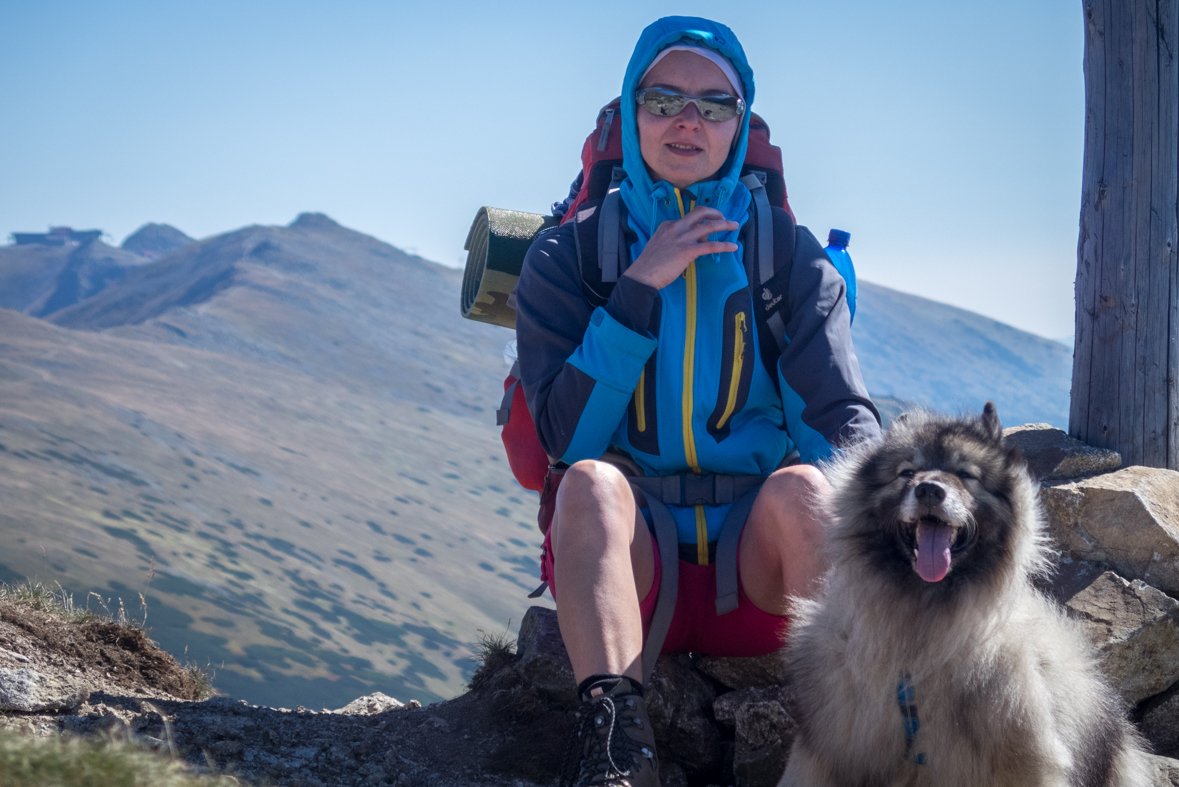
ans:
(695, 626)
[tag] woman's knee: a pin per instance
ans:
(799, 485)
(595, 495)
(590, 482)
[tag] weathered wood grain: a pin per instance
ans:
(1126, 361)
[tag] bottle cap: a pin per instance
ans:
(838, 238)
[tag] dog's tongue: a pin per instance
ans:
(933, 551)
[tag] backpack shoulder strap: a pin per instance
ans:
(759, 255)
(587, 223)
(769, 251)
(609, 234)
(504, 413)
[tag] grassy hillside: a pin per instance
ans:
(951, 359)
(311, 543)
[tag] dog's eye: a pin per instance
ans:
(966, 476)
(909, 473)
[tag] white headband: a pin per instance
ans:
(721, 62)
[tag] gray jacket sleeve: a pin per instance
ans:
(820, 377)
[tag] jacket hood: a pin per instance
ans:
(647, 201)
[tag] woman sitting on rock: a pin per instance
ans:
(664, 378)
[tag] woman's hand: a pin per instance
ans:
(676, 244)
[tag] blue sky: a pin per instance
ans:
(946, 137)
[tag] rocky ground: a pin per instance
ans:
(718, 721)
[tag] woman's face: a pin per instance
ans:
(686, 148)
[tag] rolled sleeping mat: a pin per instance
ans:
(496, 246)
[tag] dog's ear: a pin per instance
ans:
(990, 422)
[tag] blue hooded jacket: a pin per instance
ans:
(650, 204)
(674, 377)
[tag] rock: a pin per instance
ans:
(764, 733)
(28, 690)
(1166, 771)
(1052, 455)
(1070, 577)
(225, 749)
(1160, 725)
(369, 705)
(740, 673)
(679, 702)
(544, 663)
(1135, 629)
(726, 706)
(1128, 519)
(672, 775)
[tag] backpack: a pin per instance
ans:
(600, 176)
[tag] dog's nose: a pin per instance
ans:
(929, 492)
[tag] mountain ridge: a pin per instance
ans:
(291, 427)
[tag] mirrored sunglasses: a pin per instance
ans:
(667, 103)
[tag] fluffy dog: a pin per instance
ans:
(929, 658)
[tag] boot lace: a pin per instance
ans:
(592, 758)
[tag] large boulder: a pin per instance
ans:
(1069, 578)
(30, 690)
(1160, 724)
(1128, 519)
(740, 673)
(679, 701)
(544, 663)
(1135, 629)
(370, 705)
(1166, 772)
(763, 732)
(1052, 455)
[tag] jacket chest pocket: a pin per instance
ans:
(641, 424)
(738, 348)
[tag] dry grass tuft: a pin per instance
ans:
(494, 652)
(36, 595)
(202, 677)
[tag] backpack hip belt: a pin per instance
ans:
(689, 489)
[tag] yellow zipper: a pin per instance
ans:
(689, 375)
(738, 362)
(689, 355)
(640, 403)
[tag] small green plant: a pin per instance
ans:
(79, 762)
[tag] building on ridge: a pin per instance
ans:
(57, 236)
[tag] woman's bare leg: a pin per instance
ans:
(782, 544)
(604, 566)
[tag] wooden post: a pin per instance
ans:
(1126, 362)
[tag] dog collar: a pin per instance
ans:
(907, 700)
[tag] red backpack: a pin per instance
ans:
(601, 155)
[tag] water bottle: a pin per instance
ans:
(837, 241)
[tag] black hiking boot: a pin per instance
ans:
(612, 743)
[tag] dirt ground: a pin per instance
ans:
(101, 678)
(97, 655)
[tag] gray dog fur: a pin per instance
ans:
(1005, 689)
